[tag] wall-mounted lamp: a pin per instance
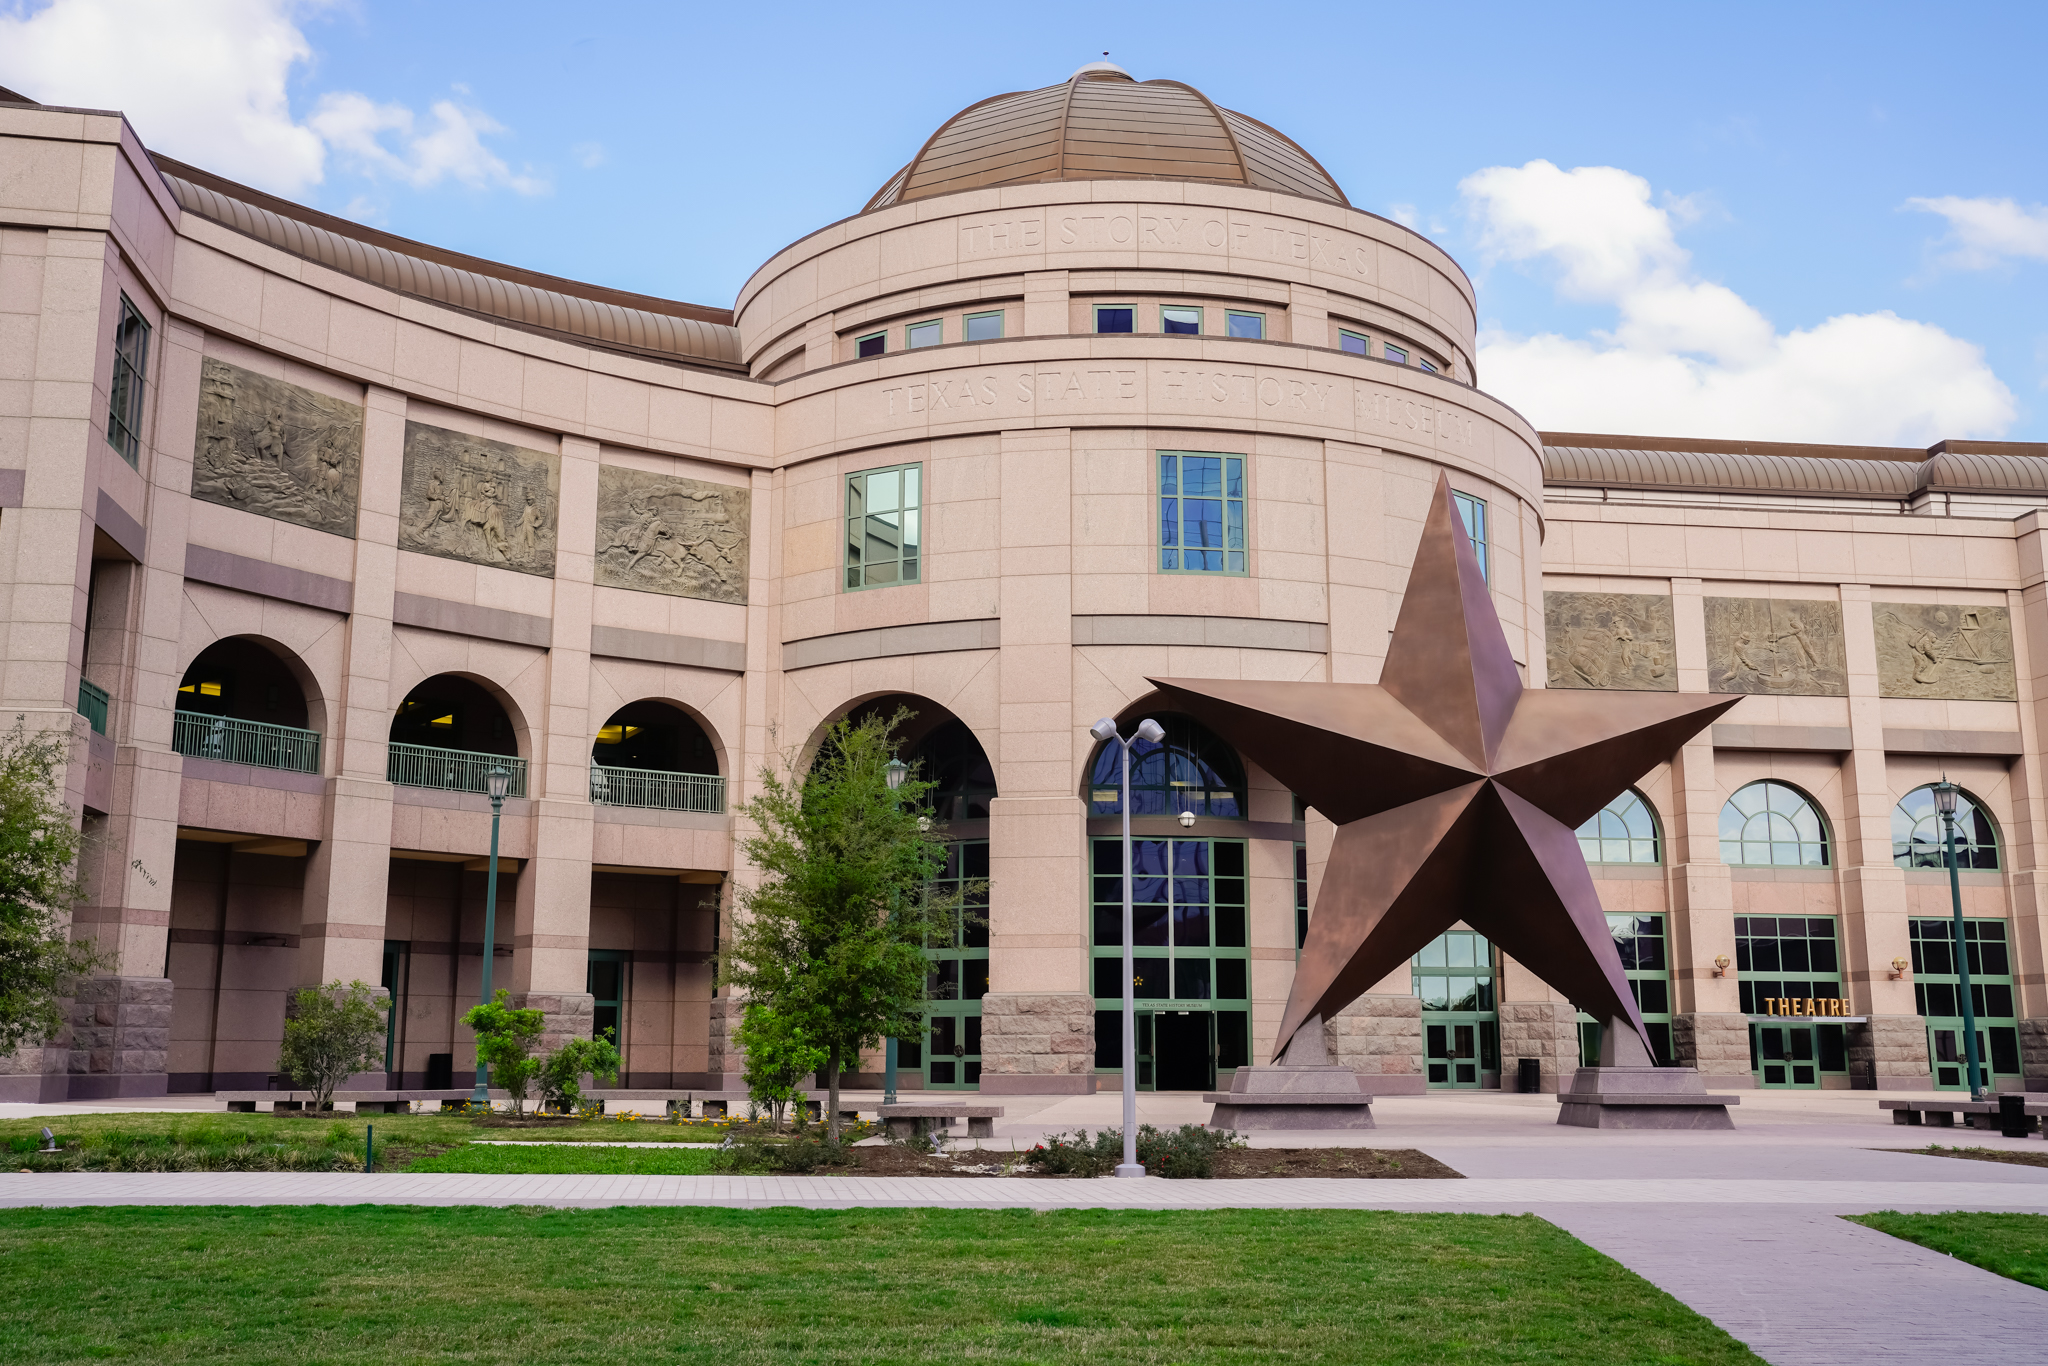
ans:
(1899, 966)
(1720, 965)
(1187, 820)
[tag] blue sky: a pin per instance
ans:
(1664, 206)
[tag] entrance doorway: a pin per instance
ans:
(1951, 1063)
(1796, 1054)
(1453, 1053)
(954, 1045)
(1184, 1050)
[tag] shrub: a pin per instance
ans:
(330, 1034)
(803, 1153)
(561, 1072)
(504, 1041)
(1186, 1153)
(779, 1055)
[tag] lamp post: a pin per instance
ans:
(1149, 731)
(896, 772)
(1945, 802)
(495, 783)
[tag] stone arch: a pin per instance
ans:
(252, 678)
(481, 718)
(674, 737)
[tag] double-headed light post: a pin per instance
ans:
(1945, 802)
(495, 783)
(1105, 732)
(896, 771)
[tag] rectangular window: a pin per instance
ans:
(1427, 366)
(1356, 343)
(1188, 921)
(1178, 321)
(1300, 897)
(1396, 355)
(923, 334)
(1201, 513)
(984, 326)
(124, 400)
(1472, 512)
(1251, 325)
(882, 508)
(874, 344)
(1114, 318)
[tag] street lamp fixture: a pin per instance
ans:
(896, 772)
(1945, 793)
(1149, 732)
(1187, 820)
(496, 782)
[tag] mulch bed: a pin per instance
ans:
(1379, 1163)
(2006, 1155)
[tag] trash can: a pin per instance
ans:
(2012, 1115)
(1529, 1076)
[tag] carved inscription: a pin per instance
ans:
(1393, 411)
(475, 499)
(1160, 227)
(1763, 645)
(1944, 650)
(663, 534)
(1609, 640)
(936, 393)
(1237, 386)
(276, 449)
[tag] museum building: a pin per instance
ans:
(307, 530)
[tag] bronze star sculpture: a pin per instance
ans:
(1457, 795)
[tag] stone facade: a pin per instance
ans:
(487, 502)
(277, 449)
(1944, 650)
(1037, 1042)
(2034, 1053)
(1889, 1053)
(1716, 1045)
(1545, 1030)
(660, 534)
(1379, 1037)
(1610, 640)
(726, 1062)
(1765, 645)
(120, 1034)
(569, 1015)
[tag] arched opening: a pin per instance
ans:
(449, 733)
(1773, 824)
(239, 703)
(951, 757)
(1192, 769)
(1623, 831)
(653, 754)
(1918, 840)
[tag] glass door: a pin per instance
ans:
(1460, 1020)
(1185, 1044)
(1784, 1055)
(1951, 1063)
(1452, 1053)
(952, 1049)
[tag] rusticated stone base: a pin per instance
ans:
(120, 1037)
(1889, 1053)
(1547, 1031)
(569, 1015)
(2034, 1053)
(1380, 1038)
(726, 1061)
(1037, 1044)
(1716, 1046)
(36, 1073)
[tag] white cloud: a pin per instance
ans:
(590, 155)
(1985, 233)
(1689, 357)
(206, 81)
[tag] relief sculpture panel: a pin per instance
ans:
(1941, 650)
(664, 534)
(475, 499)
(276, 450)
(1786, 648)
(1610, 640)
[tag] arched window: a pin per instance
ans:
(1192, 771)
(1625, 831)
(953, 759)
(1917, 836)
(1771, 824)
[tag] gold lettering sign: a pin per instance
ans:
(1795, 1007)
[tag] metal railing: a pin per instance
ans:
(662, 791)
(92, 705)
(256, 743)
(452, 770)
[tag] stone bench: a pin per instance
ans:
(365, 1102)
(1977, 1114)
(910, 1120)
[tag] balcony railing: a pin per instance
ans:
(256, 743)
(662, 791)
(92, 705)
(452, 770)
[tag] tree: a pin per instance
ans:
(832, 936)
(504, 1041)
(561, 1071)
(330, 1034)
(39, 848)
(779, 1056)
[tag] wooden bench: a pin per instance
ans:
(910, 1120)
(1977, 1114)
(365, 1102)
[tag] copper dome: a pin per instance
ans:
(1103, 125)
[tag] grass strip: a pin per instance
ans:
(569, 1159)
(2012, 1245)
(740, 1287)
(2029, 1157)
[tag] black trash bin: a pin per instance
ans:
(1529, 1076)
(2012, 1116)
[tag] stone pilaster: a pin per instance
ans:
(1889, 1054)
(1547, 1031)
(1714, 1045)
(1037, 1043)
(120, 1037)
(569, 1015)
(2034, 1053)
(725, 1060)
(1379, 1036)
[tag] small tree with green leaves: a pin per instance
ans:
(39, 848)
(505, 1039)
(779, 1056)
(562, 1071)
(330, 1034)
(832, 936)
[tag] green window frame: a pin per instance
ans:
(1623, 831)
(1425, 364)
(1769, 824)
(977, 327)
(1646, 962)
(1993, 996)
(605, 980)
(1202, 513)
(1393, 353)
(883, 511)
(873, 344)
(1129, 318)
(1353, 343)
(126, 393)
(1455, 977)
(1167, 322)
(1918, 840)
(1472, 512)
(1245, 326)
(930, 332)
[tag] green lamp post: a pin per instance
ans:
(1945, 802)
(495, 783)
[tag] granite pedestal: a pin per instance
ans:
(1304, 1090)
(1629, 1091)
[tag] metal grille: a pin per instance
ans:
(662, 791)
(452, 770)
(256, 743)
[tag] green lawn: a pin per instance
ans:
(380, 1284)
(551, 1158)
(2014, 1245)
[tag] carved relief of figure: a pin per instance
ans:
(1745, 659)
(529, 528)
(270, 441)
(437, 504)
(1929, 649)
(1609, 640)
(667, 534)
(1800, 650)
(276, 449)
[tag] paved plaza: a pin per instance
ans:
(1742, 1226)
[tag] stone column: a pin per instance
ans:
(1038, 1020)
(2026, 836)
(1546, 1030)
